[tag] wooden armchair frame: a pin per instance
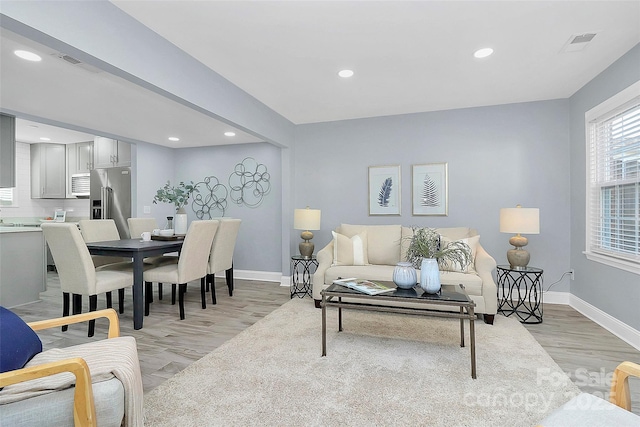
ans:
(84, 411)
(620, 394)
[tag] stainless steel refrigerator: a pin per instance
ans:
(110, 196)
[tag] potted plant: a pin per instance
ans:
(427, 252)
(179, 196)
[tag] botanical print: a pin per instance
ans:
(430, 189)
(384, 190)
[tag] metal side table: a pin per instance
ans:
(302, 270)
(520, 293)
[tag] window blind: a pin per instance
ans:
(614, 183)
(6, 196)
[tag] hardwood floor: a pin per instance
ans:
(585, 351)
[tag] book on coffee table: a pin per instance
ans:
(368, 287)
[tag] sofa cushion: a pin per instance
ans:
(18, 342)
(350, 250)
(383, 241)
(472, 242)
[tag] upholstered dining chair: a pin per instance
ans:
(137, 226)
(105, 387)
(191, 265)
(221, 257)
(100, 230)
(78, 276)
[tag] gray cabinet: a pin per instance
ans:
(48, 171)
(110, 153)
(7, 151)
(79, 160)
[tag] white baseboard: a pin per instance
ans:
(263, 276)
(620, 329)
(552, 297)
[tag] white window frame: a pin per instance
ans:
(8, 198)
(598, 114)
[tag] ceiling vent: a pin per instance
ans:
(578, 42)
(75, 62)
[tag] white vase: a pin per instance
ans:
(430, 276)
(180, 222)
(404, 275)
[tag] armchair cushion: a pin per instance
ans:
(350, 251)
(18, 342)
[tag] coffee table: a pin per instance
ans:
(450, 296)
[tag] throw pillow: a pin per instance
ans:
(18, 342)
(472, 242)
(350, 251)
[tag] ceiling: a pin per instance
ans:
(407, 57)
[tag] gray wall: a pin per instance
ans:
(614, 291)
(498, 157)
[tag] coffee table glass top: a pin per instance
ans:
(448, 293)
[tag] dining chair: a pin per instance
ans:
(100, 230)
(78, 276)
(221, 257)
(137, 226)
(192, 264)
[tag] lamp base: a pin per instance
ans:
(518, 258)
(306, 249)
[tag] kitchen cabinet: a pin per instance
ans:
(110, 153)
(79, 161)
(22, 266)
(7, 151)
(48, 171)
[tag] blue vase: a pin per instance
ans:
(404, 275)
(430, 276)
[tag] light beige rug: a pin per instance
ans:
(383, 369)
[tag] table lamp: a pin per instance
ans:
(306, 219)
(519, 220)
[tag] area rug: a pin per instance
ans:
(383, 369)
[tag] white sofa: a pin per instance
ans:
(386, 245)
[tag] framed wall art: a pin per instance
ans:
(430, 189)
(384, 190)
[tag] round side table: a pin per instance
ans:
(520, 292)
(302, 270)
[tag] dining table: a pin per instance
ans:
(137, 250)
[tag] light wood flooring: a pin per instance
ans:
(166, 345)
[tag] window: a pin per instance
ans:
(613, 181)
(6, 197)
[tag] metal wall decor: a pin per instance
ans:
(211, 196)
(249, 183)
(430, 189)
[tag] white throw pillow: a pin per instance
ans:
(350, 251)
(472, 242)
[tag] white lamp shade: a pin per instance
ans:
(520, 220)
(306, 219)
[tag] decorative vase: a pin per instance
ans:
(404, 275)
(430, 276)
(180, 222)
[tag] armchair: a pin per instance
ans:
(105, 388)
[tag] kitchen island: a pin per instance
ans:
(22, 265)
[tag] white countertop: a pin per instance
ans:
(4, 229)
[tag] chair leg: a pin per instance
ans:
(183, 289)
(159, 290)
(203, 297)
(173, 294)
(229, 276)
(121, 300)
(211, 280)
(93, 305)
(65, 308)
(148, 298)
(109, 300)
(76, 304)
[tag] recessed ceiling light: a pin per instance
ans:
(29, 56)
(229, 134)
(174, 139)
(44, 138)
(483, 53)
(345, 74)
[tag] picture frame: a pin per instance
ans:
(384, 190)
(430, 189)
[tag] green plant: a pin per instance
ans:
(426, 243)
(178, 195)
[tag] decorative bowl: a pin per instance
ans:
(168, 232)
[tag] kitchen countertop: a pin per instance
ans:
(23, 229)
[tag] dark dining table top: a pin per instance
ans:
(134, 245)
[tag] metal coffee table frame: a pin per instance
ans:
(334, 294)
